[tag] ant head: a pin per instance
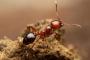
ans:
(56, 24)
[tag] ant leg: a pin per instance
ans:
(35, 42)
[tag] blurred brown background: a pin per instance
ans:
(16, 14)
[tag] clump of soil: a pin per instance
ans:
(12, 50)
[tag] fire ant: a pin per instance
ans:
(31, 32)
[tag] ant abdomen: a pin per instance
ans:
(29, 38)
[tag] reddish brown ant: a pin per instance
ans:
(32, 32)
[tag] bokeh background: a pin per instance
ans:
(16, 14)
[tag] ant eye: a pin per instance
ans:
(29, 38)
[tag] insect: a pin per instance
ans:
(30, 36)
(31, 32)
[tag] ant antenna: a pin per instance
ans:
(56, 8)
(77, 25)
(57, 15)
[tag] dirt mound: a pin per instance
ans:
(12, 50)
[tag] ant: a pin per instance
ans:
(31, 32)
